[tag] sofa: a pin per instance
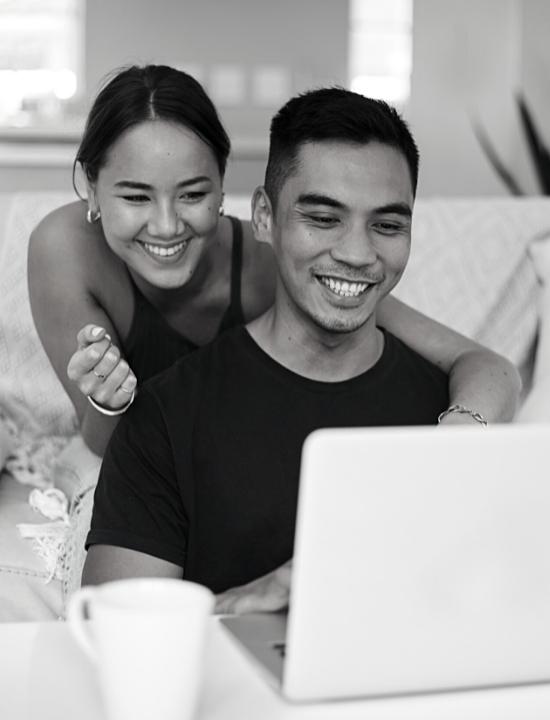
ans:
(482, 266)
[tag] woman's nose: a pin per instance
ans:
(165, 223)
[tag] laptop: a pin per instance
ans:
(421, 564)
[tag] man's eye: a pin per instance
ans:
(389, 228)
(324, 220)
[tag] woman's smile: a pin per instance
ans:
(165, 253)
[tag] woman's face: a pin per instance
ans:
(159, 194)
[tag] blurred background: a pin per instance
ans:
(451, 66)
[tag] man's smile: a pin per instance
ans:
(343, 288)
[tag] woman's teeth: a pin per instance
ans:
(161, 251)
(344, 288)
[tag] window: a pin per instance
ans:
(41, 58)
(380, 60)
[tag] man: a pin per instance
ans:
(201, 476)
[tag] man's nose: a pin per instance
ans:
(355, 247)
(164, 222)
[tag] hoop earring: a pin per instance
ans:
(92, 217)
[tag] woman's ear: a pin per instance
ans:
(262, 216)
(94, 213)
(91, 197)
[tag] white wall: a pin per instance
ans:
(469, 59)
(305, 40)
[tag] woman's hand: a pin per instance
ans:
(98, 369)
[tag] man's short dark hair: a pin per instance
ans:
(332, 114)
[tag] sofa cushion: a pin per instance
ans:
(470, 268)
(27, 379)
(536, 407)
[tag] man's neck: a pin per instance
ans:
(315, 353)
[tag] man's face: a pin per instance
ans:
(341, 232)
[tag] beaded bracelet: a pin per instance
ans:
(107, 411)
(478, 417)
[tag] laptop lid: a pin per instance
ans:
(422, 561)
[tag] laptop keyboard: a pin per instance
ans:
(280, 647)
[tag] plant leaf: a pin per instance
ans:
(539, 153)
(492, 155)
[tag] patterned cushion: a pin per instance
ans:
(27, 379)
(470, 268)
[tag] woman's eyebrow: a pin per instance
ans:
(133, 185)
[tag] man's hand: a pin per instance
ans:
(98, 369)
(266, 594)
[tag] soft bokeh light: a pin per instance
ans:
(380, 51)
(394, 90)
(40, 61)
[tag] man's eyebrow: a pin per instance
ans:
(319, 199)
(133, 185)
(394, 208)
(397, 208)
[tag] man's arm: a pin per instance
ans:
(106, 562)
(479, 379)
(139, 525)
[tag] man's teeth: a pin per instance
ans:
(164, 251)
(344, 288)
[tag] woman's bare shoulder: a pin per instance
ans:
(63, 241)
(258, 274)
(69, 259)
(66, 226)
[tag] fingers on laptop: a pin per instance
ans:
(266, 594)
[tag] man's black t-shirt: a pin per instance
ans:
(203, 470)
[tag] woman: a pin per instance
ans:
(157, 270)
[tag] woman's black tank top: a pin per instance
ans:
(153, 345)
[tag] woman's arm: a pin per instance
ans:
(479, 379)
(64, 262)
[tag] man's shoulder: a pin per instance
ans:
(202, 362)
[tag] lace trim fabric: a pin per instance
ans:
(71, 557)
(31, 460)
(49, 539)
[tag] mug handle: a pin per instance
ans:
(76, 619)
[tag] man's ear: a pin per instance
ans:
(262, 216)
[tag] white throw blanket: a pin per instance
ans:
(36, 416)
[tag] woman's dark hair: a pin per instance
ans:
(137, 94)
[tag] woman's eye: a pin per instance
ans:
(193, 196)
(135, 198)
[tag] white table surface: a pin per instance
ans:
(44, 676)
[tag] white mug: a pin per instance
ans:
(147, 638)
